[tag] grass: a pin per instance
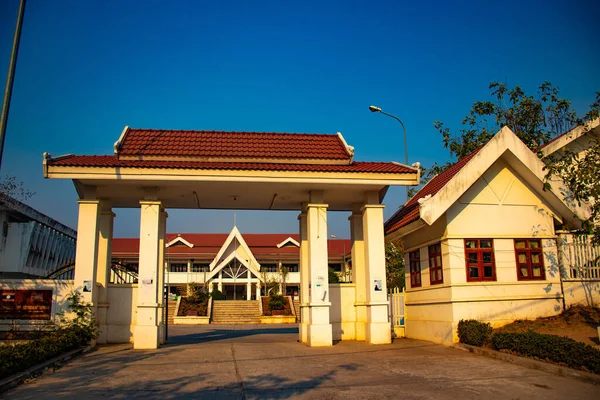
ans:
(578, 323)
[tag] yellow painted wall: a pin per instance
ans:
(342, 312)
(122, 312)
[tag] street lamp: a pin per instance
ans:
(377, 109)
(343, 256)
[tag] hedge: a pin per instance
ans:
(552, 348)
(473, 332)
(19, 357)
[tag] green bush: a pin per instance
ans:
(552, 348)
(198, 296)
(19, 357)
(276, 302)
(333, 276)
(473, 332)
(70, 333)
(218, 295)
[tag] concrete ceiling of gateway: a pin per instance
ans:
(226, 195)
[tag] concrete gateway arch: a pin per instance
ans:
(160, 169)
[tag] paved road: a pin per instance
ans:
(258, 362)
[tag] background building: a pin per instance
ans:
(235, 264)
(32, 245)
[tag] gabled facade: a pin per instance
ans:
(577, 140)
(235, 264)
(480, 242)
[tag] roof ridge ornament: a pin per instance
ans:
(119, 142)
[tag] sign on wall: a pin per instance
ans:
(25, 304)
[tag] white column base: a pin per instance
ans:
(378, 329)
(146, 334)
(319, 330)
(361, 322)
(101, 315)
(304, 322)
(145, 337)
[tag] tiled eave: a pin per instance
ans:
(103, 167)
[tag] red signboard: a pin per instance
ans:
(25, 304)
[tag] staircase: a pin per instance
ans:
(297, 308)
(171, 311)
(235, 312)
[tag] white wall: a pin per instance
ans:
(122, 313)
(342, 312)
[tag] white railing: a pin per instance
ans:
(396, 301)
(581, 258)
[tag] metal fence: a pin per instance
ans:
(396, 309)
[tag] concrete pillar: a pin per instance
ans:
(146, 332)
(249, 291)
(220, 282)
(86, 253)
(359, 270)
(377, 329)
(258, 291)
(304, 278)
(162, 234)
(104, 264)
(319, 331)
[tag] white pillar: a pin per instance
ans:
(304, 278)
(258, 290)
(86, 257)
(146, 332)
(319, 327)
(249, 291)
(220, 282)
(377, 329)
(359, 271)
(104, 264)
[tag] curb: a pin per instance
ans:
(583, 376)
(15, 380)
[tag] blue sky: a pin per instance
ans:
(88, 68)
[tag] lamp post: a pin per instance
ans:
(377, 109)
(343, 256)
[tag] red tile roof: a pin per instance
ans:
(239, 145)
(111, 161)
(410, 211)
(209, 244)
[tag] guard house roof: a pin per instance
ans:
(228, 170)
(443, 190)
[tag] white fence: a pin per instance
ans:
(581, 258)
(396, 309)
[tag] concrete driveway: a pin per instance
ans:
(266, 362)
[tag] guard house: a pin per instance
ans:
(160, 169)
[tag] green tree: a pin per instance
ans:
(332, 276)
(11, 189)
(534, 118)
(580, 171)
(394, 265)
